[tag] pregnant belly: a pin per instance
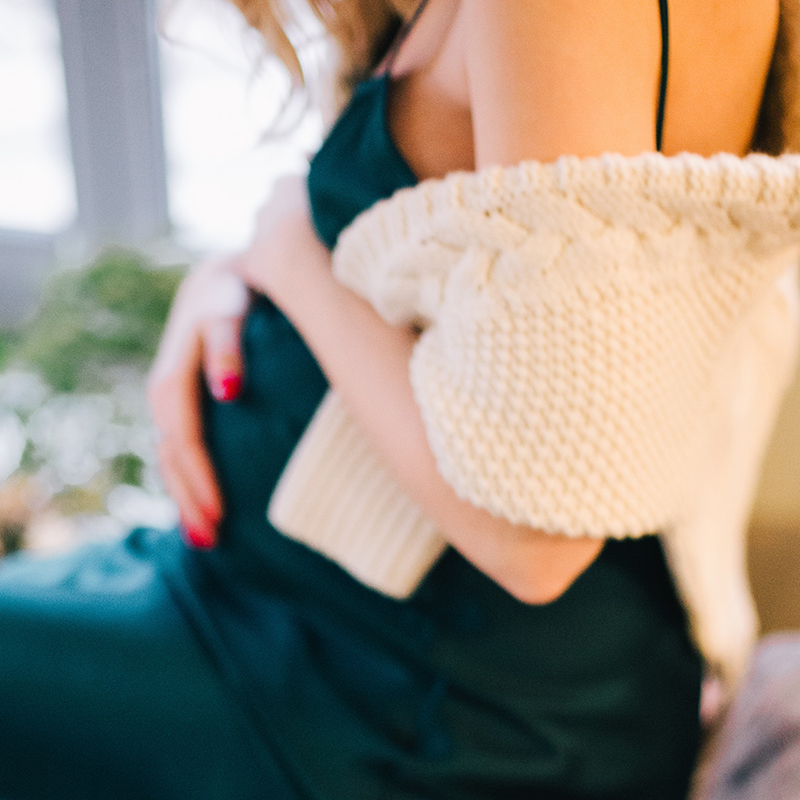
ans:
(251, 439)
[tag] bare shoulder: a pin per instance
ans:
(720, 53)
(549, 77)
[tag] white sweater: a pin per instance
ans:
(606, 344)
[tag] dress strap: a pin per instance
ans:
(662, 88)
(402, 34)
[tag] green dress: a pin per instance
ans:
(143, 669)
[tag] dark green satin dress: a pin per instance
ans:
(144, 669)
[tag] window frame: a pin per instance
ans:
(109, 50)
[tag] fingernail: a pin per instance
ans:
(228, 388)
(200, 538)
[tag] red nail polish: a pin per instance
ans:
(228, 388)
(201, 538)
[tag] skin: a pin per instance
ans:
(521, 79)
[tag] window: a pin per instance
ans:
(37, 191)
(83, 159)
(219, 101)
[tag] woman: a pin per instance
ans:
(526, 661)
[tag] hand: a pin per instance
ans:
(201, 338)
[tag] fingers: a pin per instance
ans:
(183, 459)
(224, 305)
(198, 526)
(222, 357)
(202, 336)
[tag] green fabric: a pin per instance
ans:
(142, 669)
(358, 164)
(105, 691)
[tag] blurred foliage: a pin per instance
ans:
(12, 537)
(88, 499)
(8, 340)
(106, 314)
(127, 468)
(72, 392)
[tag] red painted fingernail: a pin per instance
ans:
(201, 538)
(228, 388)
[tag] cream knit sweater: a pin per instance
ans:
(606, 343)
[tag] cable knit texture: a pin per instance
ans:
(606, 342)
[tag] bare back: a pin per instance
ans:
(479, 82)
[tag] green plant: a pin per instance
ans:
(94, 319)
(72, 404)
(8, 340)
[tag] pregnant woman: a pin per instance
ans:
(530, 392)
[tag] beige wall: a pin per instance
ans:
(775, 532)
(778, 502)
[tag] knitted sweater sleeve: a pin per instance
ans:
(575, 316)
(605, 345)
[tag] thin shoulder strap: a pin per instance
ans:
(402, 34)
(662, 88)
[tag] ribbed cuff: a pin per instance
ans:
(337, 497)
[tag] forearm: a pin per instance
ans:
(366, 360)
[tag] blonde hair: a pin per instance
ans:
(359, 28)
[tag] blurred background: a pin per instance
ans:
(133, 142)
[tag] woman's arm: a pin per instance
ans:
(366, 360)
(553, 77)
(544, 78)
